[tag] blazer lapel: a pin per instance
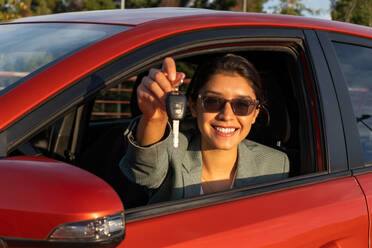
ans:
(247, 167)
(192, 164)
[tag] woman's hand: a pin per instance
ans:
(154, 88)
(151, 96)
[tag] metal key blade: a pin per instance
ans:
(176, 128)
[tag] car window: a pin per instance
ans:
(114, 103)
(286, 127)
(90, 138)
(24, 48)
(119, 102)
(355, 62)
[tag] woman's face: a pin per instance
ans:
(224, 130)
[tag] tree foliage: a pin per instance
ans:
(255, 5)
(142, 3)
(353, 11)
(12, 9)
(98, 4)
(292, 7)
(207, 4)
(251, 5)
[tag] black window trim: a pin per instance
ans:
(133, 62)
(352, 139)
(333, 131)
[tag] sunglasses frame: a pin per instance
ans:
(255, 103)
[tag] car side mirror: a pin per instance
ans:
(46, 203)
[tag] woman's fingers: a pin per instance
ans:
(145, 96)
(154, 88)
(169, 67)
(161, 78)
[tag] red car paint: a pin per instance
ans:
(365, 182)
(314, 215)
(49, 193)
(301, 217)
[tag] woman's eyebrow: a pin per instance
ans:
(213, 92)
(244, 97)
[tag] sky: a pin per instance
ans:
(313, 4)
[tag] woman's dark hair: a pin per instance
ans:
(230, 64)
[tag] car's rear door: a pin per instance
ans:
(350, 58)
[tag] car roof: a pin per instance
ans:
(118, 16)
(134, 17)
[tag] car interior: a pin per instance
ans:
(87, 138)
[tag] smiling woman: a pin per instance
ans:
(225, 97)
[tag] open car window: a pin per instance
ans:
(90, 135)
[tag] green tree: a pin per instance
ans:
(251, 5)
(207, 4)
(255, 5)
(58, 6)
(44, 7)
(292, 7)
(12, 9)
(355, 11)
(142, 3)
(98, 4)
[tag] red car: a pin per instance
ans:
(66, 84)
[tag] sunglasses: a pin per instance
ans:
(241, 107)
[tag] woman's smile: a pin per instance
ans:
(225, 131)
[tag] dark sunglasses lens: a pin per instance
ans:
(241, 107)
(212, 104)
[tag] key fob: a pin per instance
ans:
(176, 105)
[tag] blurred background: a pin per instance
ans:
(353, 11)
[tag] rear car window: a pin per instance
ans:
(26, 48)
(356, 65)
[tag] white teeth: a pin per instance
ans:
(225, 130)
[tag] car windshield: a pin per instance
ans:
(25, 48)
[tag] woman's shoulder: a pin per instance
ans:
(260, 149)
(267, 160)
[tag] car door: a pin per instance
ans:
(323, 208)
(350, 60)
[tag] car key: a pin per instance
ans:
(176, 110)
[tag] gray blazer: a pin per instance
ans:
(175, 173)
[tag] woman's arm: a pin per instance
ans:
(146, 160)
(146, 166)
(151, 94)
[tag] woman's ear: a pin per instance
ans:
(192, 107)
(256, 113)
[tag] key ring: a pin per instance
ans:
(178, 87)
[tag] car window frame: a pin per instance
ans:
(352, 139)
(143, 57)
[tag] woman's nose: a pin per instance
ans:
(226, 112)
